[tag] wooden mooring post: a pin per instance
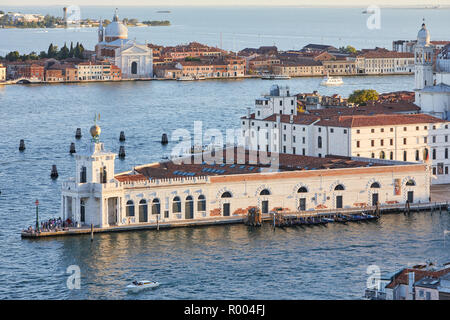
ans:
(92, 232)
(254, 217)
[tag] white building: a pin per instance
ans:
(173, 192)
(399, 137)
(135, 60)
(432, 91)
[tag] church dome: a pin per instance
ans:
(423, 37)
(116, 30)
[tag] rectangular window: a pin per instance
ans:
(404, 140)
(372, 143)
(357, 144)
(381, 142)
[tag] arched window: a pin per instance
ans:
(339, 187)
(143, 211)
(201, 203)
(382, 155)
(156, 206)
(319, 142)
(264, 192)
(134, 67)
(176, 205)
(226, 194)
(302, 190)
(410, 182)
(375, 185)
(130, 209)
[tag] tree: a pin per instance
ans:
(348, 49)
(52, 51)
(13, 56)
(362, 96)
(71, 51)
(63, 53)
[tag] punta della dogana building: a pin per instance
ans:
(203, 190)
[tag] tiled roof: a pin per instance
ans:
(403, 278)
(377, 108)
(301, 118)
(377, 120)
(243, 162)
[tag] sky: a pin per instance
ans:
(168, 3)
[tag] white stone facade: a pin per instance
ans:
(96, 197)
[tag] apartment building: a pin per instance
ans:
(276, 126)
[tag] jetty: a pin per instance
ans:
(255, 218)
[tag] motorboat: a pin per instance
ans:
(332, 81)
(185, 78)
(137, 286)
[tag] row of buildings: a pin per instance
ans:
(319, 60)
(51, 70)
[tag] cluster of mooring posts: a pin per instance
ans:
(54, 172)
(254, 217)
(281, 218)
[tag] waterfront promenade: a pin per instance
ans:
(440, 192)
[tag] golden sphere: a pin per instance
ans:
(95, 131)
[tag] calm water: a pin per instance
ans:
(287, 28)
(214, 262)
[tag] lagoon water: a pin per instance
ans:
(232, 262)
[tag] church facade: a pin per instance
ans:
(432, 89)
(134, 59)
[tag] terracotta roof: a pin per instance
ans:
(377, 120)
(242, 163)
(403, 278)
(371, 109)
(301, 118)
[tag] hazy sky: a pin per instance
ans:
(168, 3)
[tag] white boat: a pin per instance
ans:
(332, 81)
(185, 78)
(137, 286)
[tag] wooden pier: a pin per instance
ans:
(324, 216)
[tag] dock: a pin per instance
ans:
(278, 219)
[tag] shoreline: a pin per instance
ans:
(239, 219)
(13, 82)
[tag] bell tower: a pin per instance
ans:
(423, 59)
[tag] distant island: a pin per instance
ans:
(33, 20)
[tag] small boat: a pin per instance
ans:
(328, 219)
(332, 81)
(137, 286)
(275, 77)
(185, 78)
